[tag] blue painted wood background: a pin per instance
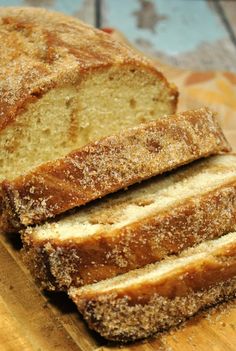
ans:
(197, 34)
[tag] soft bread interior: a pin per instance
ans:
(66, 118)
(158, 194)
(158, 271)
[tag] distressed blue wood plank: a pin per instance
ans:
(229, 10)
(171, 26)
(83, 9)
(185, 33)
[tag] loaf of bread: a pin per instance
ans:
(130, 229)
(109, 164)
(142, 302)
(82, 116)
(64, 84)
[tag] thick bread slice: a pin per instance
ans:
(64, 84)
(145, 301)
(110, 164)
(130, 229)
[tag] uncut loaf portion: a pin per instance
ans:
(110, 164)
(142, 302)
(64, 84)
(132, 228)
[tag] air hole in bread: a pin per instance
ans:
(132, 103)
(63, 144)
(37, 94)
(143, 202)
(151, 113)
(101, 220)
(47, 132)
(142, 119)
(68, 102)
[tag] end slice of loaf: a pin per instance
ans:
(64, 84)
(145, 301)
(110, 164)
(130, 229)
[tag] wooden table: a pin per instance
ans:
(193, 34)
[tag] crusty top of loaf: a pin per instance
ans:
(42, 49)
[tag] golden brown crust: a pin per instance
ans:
(139, 311)
(110, 164)
(148, 240)
(41, 50)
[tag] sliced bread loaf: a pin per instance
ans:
(64, 83)
(133, 228)
(145, 301)
(110, 164)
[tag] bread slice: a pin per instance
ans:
(64, 84)
(142, 302)
(130, 229)
(110, 164)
